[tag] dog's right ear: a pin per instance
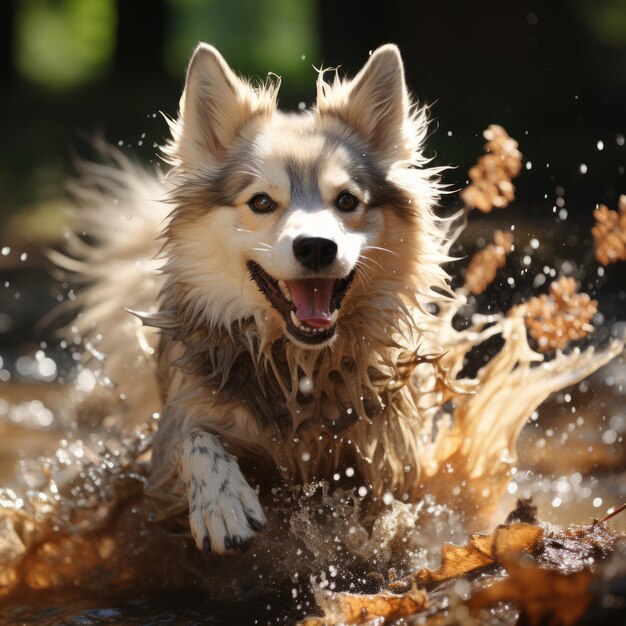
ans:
(215, 106)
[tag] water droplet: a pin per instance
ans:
(306, 386)
(609, 436)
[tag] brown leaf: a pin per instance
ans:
(349, 608)
(562, 316)
(609, 233)
(544, 597)
(491, 184)
(481, 551)
(484, 264)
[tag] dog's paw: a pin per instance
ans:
(224, 511)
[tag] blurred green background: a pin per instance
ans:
(553, 73)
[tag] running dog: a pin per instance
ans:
(283, 269)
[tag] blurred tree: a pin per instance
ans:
(255, 36)
(62, 43)
(606, 19)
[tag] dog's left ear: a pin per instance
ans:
(375, 102)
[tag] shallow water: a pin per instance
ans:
(571, 462)
(182, 608)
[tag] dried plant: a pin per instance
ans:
(609, 233)
(491, 177)
(484, 265)
(562, 316)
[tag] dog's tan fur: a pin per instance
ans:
(228, 370)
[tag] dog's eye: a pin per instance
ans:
(346, 201)
(261, 203)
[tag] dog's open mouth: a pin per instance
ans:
(310, 306)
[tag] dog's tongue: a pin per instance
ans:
(312, 299)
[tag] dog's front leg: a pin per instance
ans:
(224, 511)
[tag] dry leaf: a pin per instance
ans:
(481, 551)
(484, 265)
(609, 233)
(349, 608)
(562, 316)
(544, 597)
(491, 177)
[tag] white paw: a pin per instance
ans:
(224, 511)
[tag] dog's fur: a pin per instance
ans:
(232, 366)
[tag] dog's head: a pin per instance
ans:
(300, 220)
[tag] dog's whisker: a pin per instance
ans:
(360, 275)
(381, 249)
(364, 271)
(372, 261)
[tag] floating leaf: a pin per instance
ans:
(349, 608)
(484, 265)
(609, 233)
(491, 177)
(544, 597)
(562, 316)
(481, 551)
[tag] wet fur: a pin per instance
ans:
(228, 375)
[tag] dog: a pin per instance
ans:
(284, 271)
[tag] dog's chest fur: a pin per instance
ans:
(248, 394)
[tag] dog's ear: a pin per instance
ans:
(215, 106)
(375, 102)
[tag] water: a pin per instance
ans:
(90, 482)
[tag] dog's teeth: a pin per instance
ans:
(297, 323)
(334, 316)
(283, 287)
(309, 329)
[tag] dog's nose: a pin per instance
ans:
(314, 252)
